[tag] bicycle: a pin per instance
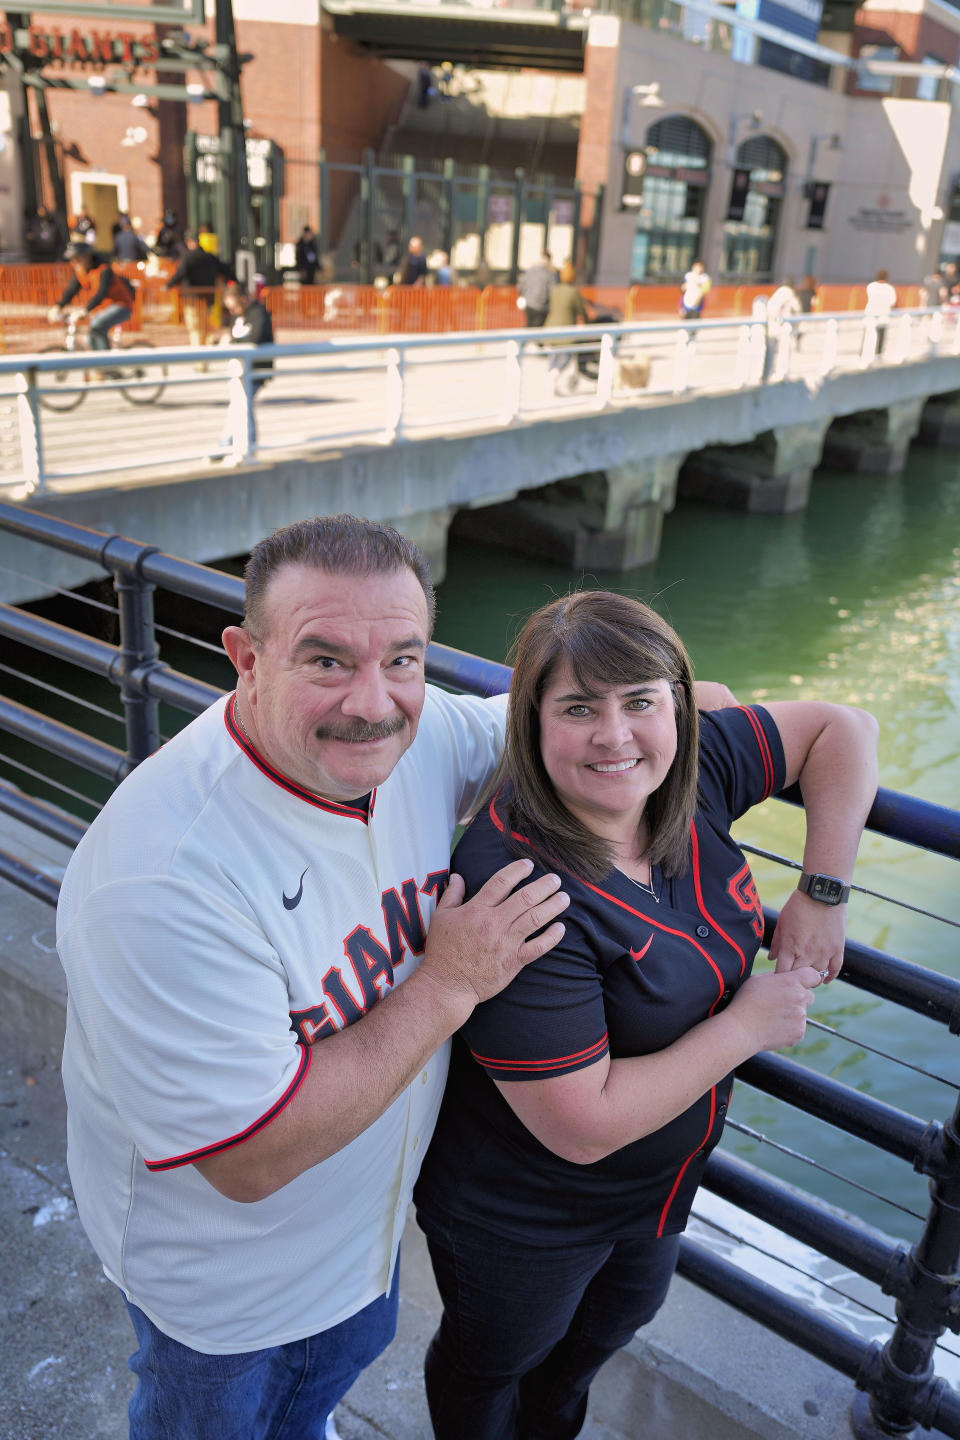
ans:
(63, 399)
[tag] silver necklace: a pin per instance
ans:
(642, 885)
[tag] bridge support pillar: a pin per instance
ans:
(428, 529)
(873, 442)
(604, 520)
(769, 475)
(940, 421)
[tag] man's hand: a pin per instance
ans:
(809, 933)
(477, 947)
(713, 695)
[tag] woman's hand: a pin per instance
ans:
(809, 933)
(772, 1009)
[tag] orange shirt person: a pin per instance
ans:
(102, 290)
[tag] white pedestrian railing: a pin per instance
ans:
(331, 393)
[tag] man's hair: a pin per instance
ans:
(608, 641)
(337, 545)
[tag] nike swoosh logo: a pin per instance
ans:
(634, 954)
(290, 902)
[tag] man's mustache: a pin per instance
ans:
(360, 731)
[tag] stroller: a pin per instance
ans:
(584, 357)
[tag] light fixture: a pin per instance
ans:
(97, 84)
(141, 101)
(196, 91)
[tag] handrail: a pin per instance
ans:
(680, 357)
(898, 1378)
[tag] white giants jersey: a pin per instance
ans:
(215, 922)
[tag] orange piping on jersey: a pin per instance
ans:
(592, 1052)
(764, 748)
(683, 1168)
(251, 1130)
(605, 895)
(695, 856)
(352, 812)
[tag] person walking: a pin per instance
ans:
(566, 307)
(198, 278)
(414, 268)
(307, 256)
(127, 244)
(168, 239)
(881, 299)
(250, 325)
(534, 290)
(694, 291)
(806, 293)
(783, 303)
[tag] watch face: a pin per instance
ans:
(827, 889)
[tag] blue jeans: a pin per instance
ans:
(282, 1393)
(526, 1328)
(103, 321)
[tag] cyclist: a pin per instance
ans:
(102, 290)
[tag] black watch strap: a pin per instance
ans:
(825, 888)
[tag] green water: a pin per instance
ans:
(856, 600)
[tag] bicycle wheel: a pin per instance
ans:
(54, 395)
(141, 394)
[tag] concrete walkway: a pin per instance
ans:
(700, 1372)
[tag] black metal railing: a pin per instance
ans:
(898, 1387)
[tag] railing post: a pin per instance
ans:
(240, 412)
(901, 339)
(605, 373)
(31, 440)
(900, 1379)
(681, 362)
(785, 344)
(393, 423)
(513, 375)
(830, 342)
(138, 649)
(742, 364)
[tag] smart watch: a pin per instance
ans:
(825, 888)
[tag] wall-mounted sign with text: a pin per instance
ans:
(881, 220)
(70, 47)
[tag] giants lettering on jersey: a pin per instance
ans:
(352, 988)
(743, 890)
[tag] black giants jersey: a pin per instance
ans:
(630, 976)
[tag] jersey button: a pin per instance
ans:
(722, 1108)
(703, 931)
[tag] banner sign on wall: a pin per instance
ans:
(738, 194)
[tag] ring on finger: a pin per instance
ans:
(824, 974)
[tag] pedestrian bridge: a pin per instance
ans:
(415, 429)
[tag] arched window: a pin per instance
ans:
(676, 175)
(756, 195)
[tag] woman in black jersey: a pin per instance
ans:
(583, 1100)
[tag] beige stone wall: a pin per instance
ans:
(888, 180)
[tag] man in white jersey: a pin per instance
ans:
(263, 883)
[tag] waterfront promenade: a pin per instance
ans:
(417, 430)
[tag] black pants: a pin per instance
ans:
(525, 1329)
